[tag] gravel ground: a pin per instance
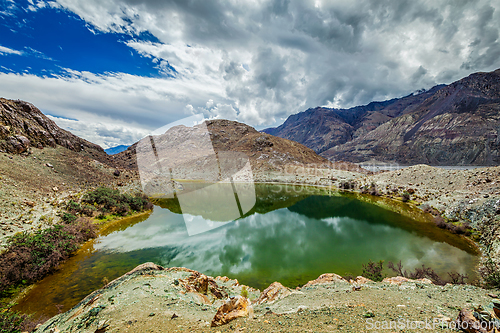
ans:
(32, 187)
(152, 301)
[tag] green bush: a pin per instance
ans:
(10, 321)
(110, 200)
(490, 272)
(68, 217)
(373, 270)
(31, 256)
(244, 292)
(15, 322)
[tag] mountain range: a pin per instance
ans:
(455, 124)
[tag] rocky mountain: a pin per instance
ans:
(457, 124)
(23, 126)
(323, 128)
(265, 151)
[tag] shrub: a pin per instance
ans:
(73, 207)
(428, 209)
(10, 321)
(427, 272)
(122, 209)
(439, 221)
(14, 322)
(244, 292)
(68, 217)
(31, 256)
(348, 185)
(373, 270)
(349, 276)
(490, 272)
(110, 200)
(462, 229)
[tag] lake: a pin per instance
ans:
(288, 236)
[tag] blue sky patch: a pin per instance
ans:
(52, 39)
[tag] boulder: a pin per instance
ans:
(468, 323)
(274, 292)
(360, 280)
(234, 307)
(326, 278)
(400, 280)
(203, 284)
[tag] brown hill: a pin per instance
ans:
(266, 152)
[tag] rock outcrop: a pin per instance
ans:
(23, 126)
(457, 124)
(265, 152)
(234, 307)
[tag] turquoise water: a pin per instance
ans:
(287, 238)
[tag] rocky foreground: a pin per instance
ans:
(151, 298)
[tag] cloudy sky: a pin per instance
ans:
(113, 70)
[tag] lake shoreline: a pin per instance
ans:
(391, 202)
(151, 297)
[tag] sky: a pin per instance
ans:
(112, 71)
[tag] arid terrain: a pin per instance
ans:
(154, 299)
(37, 178)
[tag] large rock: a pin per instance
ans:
(400, 280)
(468, 323)
(203, 284)
(326, 279)
(274, 292)
(235, 307)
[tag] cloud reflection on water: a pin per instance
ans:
(283, 245)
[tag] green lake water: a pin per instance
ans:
(286, 237)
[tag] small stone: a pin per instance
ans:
(234, 307)
(49, 165)
(493, 295)
(369, 314)
(151, 314)
(174, 316)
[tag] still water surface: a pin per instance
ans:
(291, 238)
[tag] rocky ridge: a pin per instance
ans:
(23, 126)
(457, 124)
(156, 299)
(323, 128)
(267, 153)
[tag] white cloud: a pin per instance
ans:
(260, 61)
(6, 50)
(122, 103)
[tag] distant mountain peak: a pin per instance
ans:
(451, 124)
